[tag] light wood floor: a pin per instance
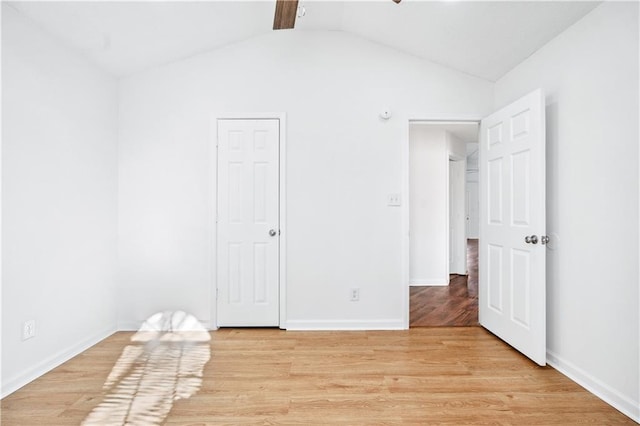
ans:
(452, 305)
(460, 375)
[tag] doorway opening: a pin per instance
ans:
(511, 168)
(443, 223)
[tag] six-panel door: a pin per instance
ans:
(512, 224)
(248, 223)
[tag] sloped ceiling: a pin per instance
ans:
(483, 39)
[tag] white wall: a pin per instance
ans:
(456, 148)
(1, 392)
(590, 76)
(430, 148)
(456, 201)
(342, 162)
(59, 180)
(428, 189)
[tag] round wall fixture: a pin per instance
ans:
(385, 114)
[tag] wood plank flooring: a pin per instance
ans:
(442, 375)
(452, 305)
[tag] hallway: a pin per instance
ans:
(452, 305)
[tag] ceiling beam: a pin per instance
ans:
(285, 17)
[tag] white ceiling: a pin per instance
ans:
(484, 39)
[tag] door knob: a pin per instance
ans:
(531, 239)
(544, 239)
(272, 232)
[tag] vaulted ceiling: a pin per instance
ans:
(483, 39)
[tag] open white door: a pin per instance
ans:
(248, 223)
(512, 249)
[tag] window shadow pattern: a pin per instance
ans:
(163, 363)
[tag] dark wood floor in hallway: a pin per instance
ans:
(452, 305)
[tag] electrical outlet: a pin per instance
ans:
(355, 295)
(393, 200)
(28, 329)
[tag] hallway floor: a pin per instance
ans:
(452, 305)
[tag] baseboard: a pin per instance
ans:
(344, 325)
(129, 325)
(52, 362)
(430, 282)
(620, 402)
(135, 325)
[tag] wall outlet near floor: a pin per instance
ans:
(28, 329)
(393, 200)
(354, 295)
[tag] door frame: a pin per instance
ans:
(416, 118)
(282, 204)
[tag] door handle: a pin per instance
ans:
(544, 239)
(531, 239)
(272, 232)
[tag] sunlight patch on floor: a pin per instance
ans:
(164, 363)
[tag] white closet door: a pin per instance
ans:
(248, 223)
